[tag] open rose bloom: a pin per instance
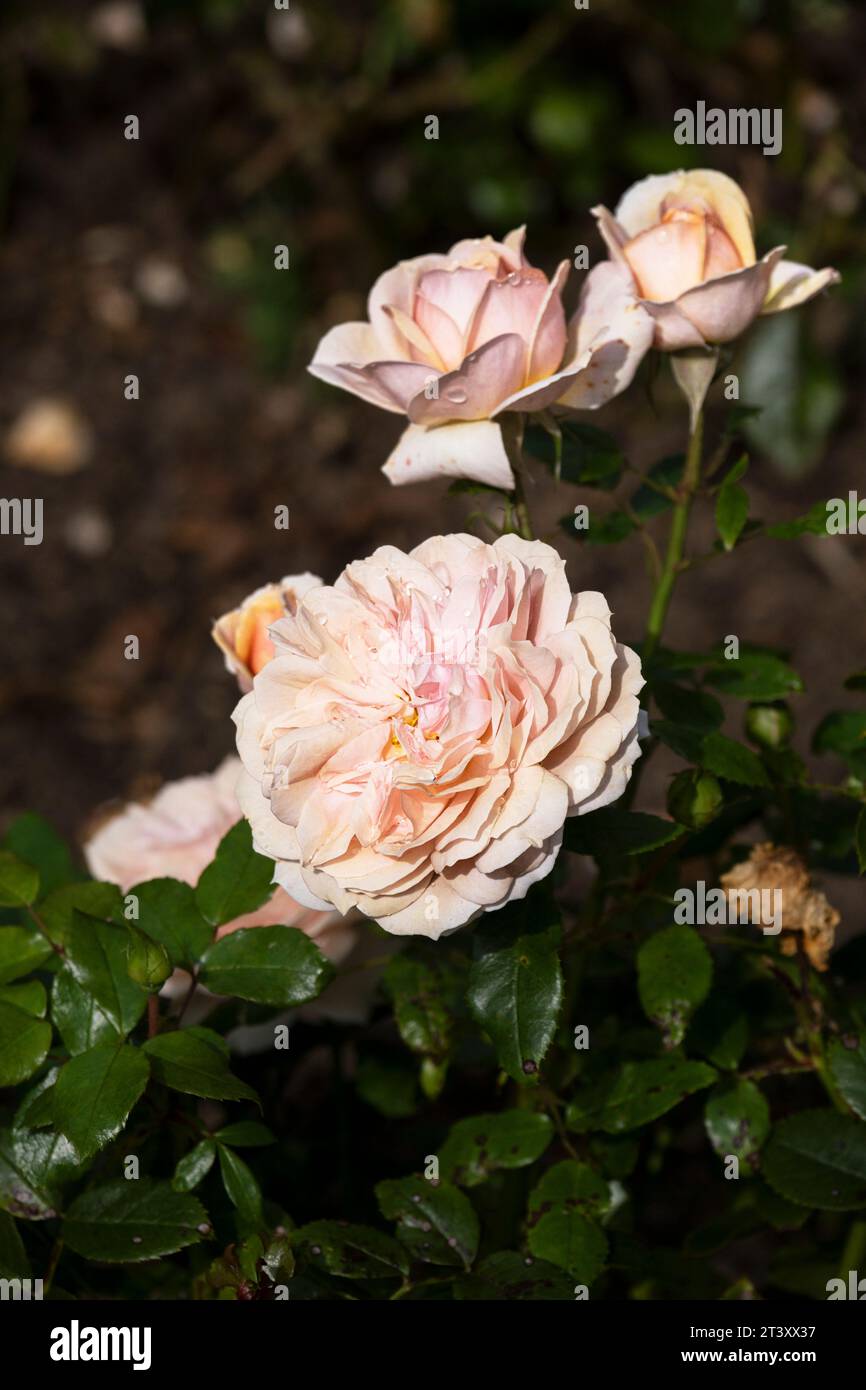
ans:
(427, 725)
(176, 834)
(686, 241)
(454, 341)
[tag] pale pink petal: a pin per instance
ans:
(548, 339)
(462, 450)
(475, 390)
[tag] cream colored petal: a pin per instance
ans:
(792, 284)
(471, 449)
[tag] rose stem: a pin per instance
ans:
(676, 541)
(521, 510)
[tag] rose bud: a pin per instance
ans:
(686, 241)
(242, 634)
(694, 799)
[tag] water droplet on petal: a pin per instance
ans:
(456, 395)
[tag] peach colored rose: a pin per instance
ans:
(426, 726)
(454, 341)
(242, 634)
(686, 241)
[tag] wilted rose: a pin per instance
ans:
(686, 240)
(454, 341)
(427, 725)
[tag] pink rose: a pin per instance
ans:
(454, 341)
(686, 241)
(176, 836)
(426, 726)
(242, 634)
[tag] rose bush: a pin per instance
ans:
(443, 739)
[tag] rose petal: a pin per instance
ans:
(792, 284)
(462, 450)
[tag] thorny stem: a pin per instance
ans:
(676, 541)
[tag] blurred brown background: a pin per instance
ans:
(306, 127)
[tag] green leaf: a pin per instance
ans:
(714, 752)
(637, 1093)
(732, 506)
(194, 1166)
(697, 709)
(435, 1220)
(192, 1060)
(37, 1107)
(814, 523)
(515, 992)
(238, 881)
(19, 882)
(268, 965)
(675, 971)
(733, 761)
(818, 1159)
(96, 959)
(847, 1060)
(22, 949)
(352, 1252)
(30, 997)
(126, 1222)
(610, 831)
(648, 501)
(38, 843)
(754, 675)
(24, 1044)
(34, 1166)
(240, 1183)
(478, 1145)
(420, 1008)
(95, 1093)
(245, 1134)
(720, 1030)
(602, 530)
(101, 900)
(570, 1185)
(584, 455)
(14, 1263)
(76, 1015)
(168, 912)
(844, 733)
(737, 1118)
(507, 1275)
(564, 1237)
